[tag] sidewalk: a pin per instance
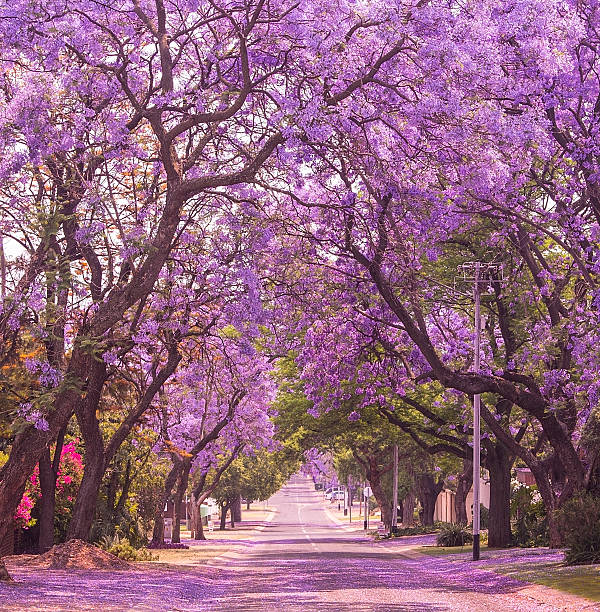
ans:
(357, 515)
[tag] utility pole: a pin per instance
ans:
(394, 523)
(476, 419)
(478, 273)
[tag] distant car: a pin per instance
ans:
(329, 493)
(337, 495)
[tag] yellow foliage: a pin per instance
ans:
(31, 354)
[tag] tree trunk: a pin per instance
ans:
(236, 508)
(29, 445)
(182, 485)
(196, 499)
(374, 477)
(555, 536)
(542, 480)
(408, 509)
(94, 460)
(465, 482)
(224, 508)
(248, 502)
(158, 533)
(231, 505)
(428, 490)
(200, 530)
(84, 512)
(4, 575)
(48, 474)
(192, 519)
(6, 520)
(197, 526)
(499, 463)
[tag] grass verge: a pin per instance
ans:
(580, 580)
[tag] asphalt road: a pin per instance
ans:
(305, 561)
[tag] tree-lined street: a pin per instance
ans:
(357, 240)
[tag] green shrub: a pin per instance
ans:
(530, 531)
(121, 548)
(528, 517)
(416, 530)
(578, 522)
(454, 534)
(128, 529)
(107, 541)
(584, 547)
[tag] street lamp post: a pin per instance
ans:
(478, 273)
(350, 503)
(366, 494)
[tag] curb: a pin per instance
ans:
(268, 519)
(340, 523)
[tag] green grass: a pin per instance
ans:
(582, 580)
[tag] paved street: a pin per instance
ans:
(303, 561)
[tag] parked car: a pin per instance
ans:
(334, 491)
(337, 495)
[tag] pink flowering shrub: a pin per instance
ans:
(70, 472)
(23, 513)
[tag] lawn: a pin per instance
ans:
(582, 580)
(217, 542)
(195, 555)
(537, 566)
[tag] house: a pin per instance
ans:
(525, 476)
(445, 510)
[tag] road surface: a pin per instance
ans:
(304, 561)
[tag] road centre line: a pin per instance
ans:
(307, 535)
